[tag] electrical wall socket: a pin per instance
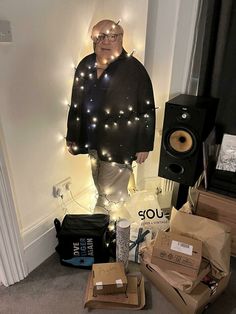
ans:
(61, 188)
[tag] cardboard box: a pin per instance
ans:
(176, 252)
(109, 278)
(192, 303)
(134, 299)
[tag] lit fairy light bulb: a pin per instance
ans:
(94, 125)
(75, 105)
(112, 227)
(120, 170)
(82, 74)
(106, 126)
(109, 158)
(130, 54)
(75, 147)
(104, 152)
(77, 119)
(115, 124)
(129, 122)
(148, 102)
(88, 110)
(90, 75)
(95, 119)
(130, 108)
(107, 31)
(89, 67)
(106, 75)
(112, 57)
(86, 145)
(82, 87)
(113, 26)
(108, 111)
(136, 118)
(77, 79)
(106, 203)
(113, 164)
(126, 162)
(121, 112)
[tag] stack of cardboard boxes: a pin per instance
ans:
(109, 288)
(177, 266)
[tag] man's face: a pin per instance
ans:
(109, 41)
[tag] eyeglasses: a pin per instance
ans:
(101, 37)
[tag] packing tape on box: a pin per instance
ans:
(99, 285)
(119, 283)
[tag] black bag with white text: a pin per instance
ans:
(82, 239)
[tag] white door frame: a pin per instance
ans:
(12, 262)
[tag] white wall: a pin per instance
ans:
(170, 32)
(35, 86)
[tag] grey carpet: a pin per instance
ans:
(56, 289)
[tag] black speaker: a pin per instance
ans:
(188, 121)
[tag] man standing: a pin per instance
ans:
(112, 113)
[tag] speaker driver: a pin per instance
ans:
(181, 141)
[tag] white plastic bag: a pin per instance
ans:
(144, 209)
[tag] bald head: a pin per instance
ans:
(105, 27)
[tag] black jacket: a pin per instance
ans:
(114, 114)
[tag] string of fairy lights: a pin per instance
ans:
(131, 119)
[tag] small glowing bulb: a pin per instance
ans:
(82, 74)
(148, 102)
(112, 57)
(129, 122)
(82, 87)
(108, 111)
(130, 108)
(109, 158)
(126, 162)
(75, 147)
(113, 26)
(77, 119)
(94, 125)
(121, 199)
(75, 105)
(95, 119)
(113, 164)
(88, 111)
(106, 126)
(115, 124)
(106, 76)
(121, 112)
(120, 170)
(112, 227)
(86, 145)
(91, 99)
(107, 31)
(76, 79)
(89, 67)
(104, 152)
(136, 118)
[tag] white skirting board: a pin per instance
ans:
(40, 239)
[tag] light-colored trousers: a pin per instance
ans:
(111, 180)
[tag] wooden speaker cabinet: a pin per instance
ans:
(220, 208)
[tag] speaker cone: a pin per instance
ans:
(181, 141)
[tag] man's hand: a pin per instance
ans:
(71, 147)
(141, 157)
